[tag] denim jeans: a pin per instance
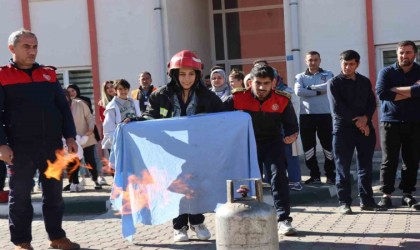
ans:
(345, 141)
(293, 166)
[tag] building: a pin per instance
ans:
(93, 41)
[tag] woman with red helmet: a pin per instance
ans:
(184, 95)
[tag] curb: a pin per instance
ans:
(71, 206)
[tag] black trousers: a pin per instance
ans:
(182, 220)
(399, 138)
(345, 141)
(272, 161)
(3, 173)
(27, 159)
(312, 126)
(89, 156)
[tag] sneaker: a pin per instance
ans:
(97, 185)
(266, 185)
(373, 207)
(296, 186)
(181, 234)
(82, 181)
(22, 246)
(102, 180)
(409, 201)
(4, 196)
(67, 187)
(201, 231)
(285, 228)
(64, 244)
(345, 209)
(76, 187)
(330, 181)
(385, 202)
(313, 180)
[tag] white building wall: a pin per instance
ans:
(129, 40)
(188, 28)
(330, 27)
(396, 20)
(62, 31)
(11, 20)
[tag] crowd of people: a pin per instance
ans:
(36, 114)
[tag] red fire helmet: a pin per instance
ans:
(184, 59)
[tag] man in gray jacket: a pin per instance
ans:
(315, 117)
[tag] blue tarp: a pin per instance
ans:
(168, 167)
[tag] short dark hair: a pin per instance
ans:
(207, 77)
(121, 82)
(237, 74)
(313, 53)
(349, 55)
(261, 62)
(408, 43)
(262, 71)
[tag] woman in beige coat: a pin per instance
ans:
(85, 123)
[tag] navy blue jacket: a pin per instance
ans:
(35, 108)
(350, 98)
(404, 110)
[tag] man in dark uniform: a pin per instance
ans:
(271, 110)
(353, 105)
(35, 117)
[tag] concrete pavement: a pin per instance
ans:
(316, 219)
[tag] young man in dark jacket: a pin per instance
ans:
(35, 117)
(270, 110)
(353, 105)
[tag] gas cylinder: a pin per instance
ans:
(246, 222)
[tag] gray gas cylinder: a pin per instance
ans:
(246, 223)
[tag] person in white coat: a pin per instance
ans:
(122, 108)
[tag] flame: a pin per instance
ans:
(107, 166)
(150, 184)
(88, 166)
(55, 169)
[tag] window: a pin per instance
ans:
(246, 30)
(387, 55)
(80, 77)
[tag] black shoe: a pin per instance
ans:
(330, 181)
(97, 185)
(409, 201)
(313, 180)
(373, 207)
(66, 188)
(385, 202)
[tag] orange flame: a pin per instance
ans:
(55, 169)
(151, 182)
(107, 167)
